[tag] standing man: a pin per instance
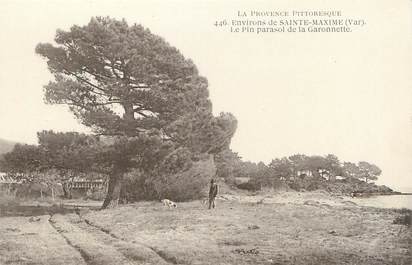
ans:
(212, 193)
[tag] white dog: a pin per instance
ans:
(169, 203)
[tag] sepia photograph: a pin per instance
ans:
(205, 132)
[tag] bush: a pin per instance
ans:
(7, 199)
(250, 186)
(136, 187)
(403, 220)
(185, 184)
(308, 184)
(188, 184)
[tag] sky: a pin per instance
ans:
(349, 94)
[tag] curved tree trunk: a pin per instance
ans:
(113, 191)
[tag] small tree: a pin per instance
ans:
(351, 170)
(226, 163)
(281, 168)
(56, 156)
(369, 171)
(299, 163)
(333, 166)
(317, 165)
(24, 158)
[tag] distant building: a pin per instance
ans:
(304, 173)
(77, 183)
(77, 186)
(10, 178)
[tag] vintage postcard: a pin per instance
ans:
(206, 132)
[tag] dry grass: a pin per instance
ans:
(283, 228)
(25, 242)
(289, 228)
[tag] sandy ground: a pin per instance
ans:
(284, 228)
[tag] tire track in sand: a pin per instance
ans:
(93, 251)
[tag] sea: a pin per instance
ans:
(387, 201)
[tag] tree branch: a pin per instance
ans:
(85, 81)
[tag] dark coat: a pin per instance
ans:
(213, 190)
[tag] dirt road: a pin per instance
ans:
(67, 239)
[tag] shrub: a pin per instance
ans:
(403, 220)
(178, 179)
(250, 185)
(187, 184)
(7, 199)
(137, 187)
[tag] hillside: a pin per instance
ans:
(6, 146)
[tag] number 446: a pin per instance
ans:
(220, 23)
